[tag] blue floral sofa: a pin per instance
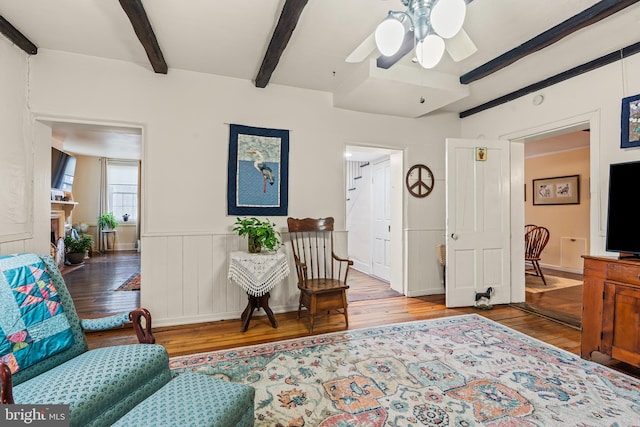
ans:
(44, 359)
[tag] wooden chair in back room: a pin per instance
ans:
(535, 241)
(322, 275)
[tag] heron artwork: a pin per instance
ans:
(261, 166)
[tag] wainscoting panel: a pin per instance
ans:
(424, 274)
(172, 278)
(198, 275)
(185, 278)
(13, 247)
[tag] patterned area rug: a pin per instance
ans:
(455, 371)
(535, 285)
(131, 284)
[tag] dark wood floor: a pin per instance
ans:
(93, 289)
(93, 285)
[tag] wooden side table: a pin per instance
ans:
(257, 274)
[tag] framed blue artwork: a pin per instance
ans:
(630, 122)
(258, 171)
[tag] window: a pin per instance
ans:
(122, 177)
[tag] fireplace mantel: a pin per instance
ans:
(67, 207)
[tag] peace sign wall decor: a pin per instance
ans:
(419, 181)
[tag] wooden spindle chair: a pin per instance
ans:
(535, 241)
(322, 275)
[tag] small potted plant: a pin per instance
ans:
(107, 221)
(77, 248)
(125, 217)
(260, 234)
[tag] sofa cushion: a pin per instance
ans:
(195, 399)
(98, 380)
(33, 325)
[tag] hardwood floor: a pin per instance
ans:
(92, 288)
(562, 305)
(93, 285)
(363, 287)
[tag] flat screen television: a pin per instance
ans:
(63, 167)
(623, 230)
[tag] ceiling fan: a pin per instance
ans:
(429, 26)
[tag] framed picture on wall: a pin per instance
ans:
(630, 122)
(258, 171)
(561, 190)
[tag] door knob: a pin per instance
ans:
(454, 236)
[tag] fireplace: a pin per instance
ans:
(57, 225)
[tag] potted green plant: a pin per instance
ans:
(260, 234)
(77, 248)
(107, 221)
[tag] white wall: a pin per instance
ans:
(18, 206)
(186, 234)
(597, 94)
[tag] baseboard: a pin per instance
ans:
(361, 267)
(561, 268)
(125, 246)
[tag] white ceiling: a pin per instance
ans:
(98, 141)
(230, 38)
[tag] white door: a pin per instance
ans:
(381, 199)
(477, 221)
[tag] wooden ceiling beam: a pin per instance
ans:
(565, 75)
(16, 37)
(595, 13)
(281, 35)
(141, 25)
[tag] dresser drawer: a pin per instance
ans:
(623, 273)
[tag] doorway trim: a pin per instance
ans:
(516, 140)
(50, 121)
(398, 279)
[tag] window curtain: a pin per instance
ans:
(103, 203)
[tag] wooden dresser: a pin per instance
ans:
(611, 309)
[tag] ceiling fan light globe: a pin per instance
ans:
(389, 36)
(447, 17)
(429, 51)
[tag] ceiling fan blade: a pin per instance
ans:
(460, 46)
(365, 49)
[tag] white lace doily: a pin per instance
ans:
(257, 274)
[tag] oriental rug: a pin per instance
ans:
(131, 284)
(455, 371)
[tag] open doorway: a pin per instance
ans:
(106, 179)
(550, 162)
(374, 214)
